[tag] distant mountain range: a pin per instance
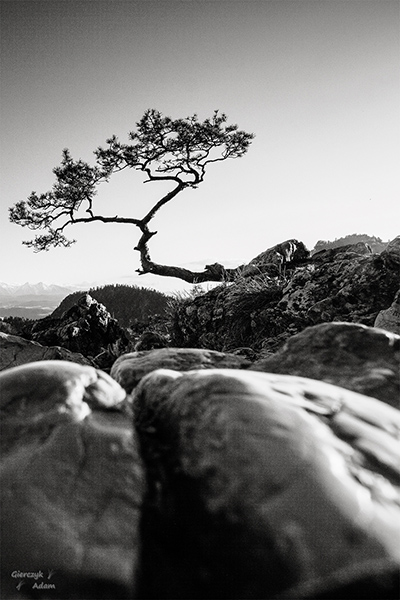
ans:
(31, 300)
(33, 289)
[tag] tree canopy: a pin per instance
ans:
(176, 151)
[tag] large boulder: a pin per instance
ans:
(130, 368)
(71, 484)
(87, 328)
(374, 581)
(260, 484)
(392, 252)
(356, 357)
(16, 351)
(349, 283)
(389, 319)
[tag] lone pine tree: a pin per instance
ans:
(175, 151)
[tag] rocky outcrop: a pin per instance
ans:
(352, 356)
(71, 484)
(130, 368)
(15, 351)
(87, 328)
(288, 254)
(261, 484)
(389, 319)
(348, 283)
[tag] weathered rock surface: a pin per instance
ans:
(71, 483)
(130, 368)
(389, 319)
(392, 252)
(355, 357)
(261, 483)
(87, 328)
(223, 318)
(15, 351)
(348, 283)
(357, 248)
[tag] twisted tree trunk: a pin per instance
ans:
(271, 262)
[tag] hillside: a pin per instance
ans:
(125, 303)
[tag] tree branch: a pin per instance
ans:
(115, 219)
(147, 218)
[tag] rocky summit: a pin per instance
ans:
(252, 451)
(87, 328)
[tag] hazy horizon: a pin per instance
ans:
(316, 82)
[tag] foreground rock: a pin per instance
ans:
(356, 357)
(130, 368)
(87, 328)
(261, 484)
(258, 485)
(16, 351)
(375, 581)
(348, 283)
(71, 483)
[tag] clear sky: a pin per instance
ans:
(317, 82)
